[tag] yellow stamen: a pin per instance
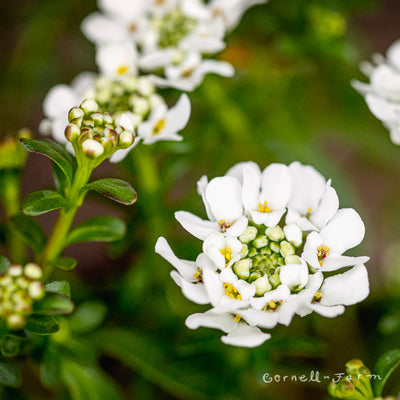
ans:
(187, 73)
(227, 253)
(238, 317)
(272, 305)
(158, 127)
(123, 69)
(317, 297)
(232, 292)
(224, 225)
(323, 252)
(264, 208)
(309, 210)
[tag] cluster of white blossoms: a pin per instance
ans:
(19, 288)
(382, 94)
(172, 39)
(271, 243)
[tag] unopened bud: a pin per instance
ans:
(286, 249)
(77, 121)
(293, 234)
(274, 246)
(15, 321)
(260, 241)
(107, 142)
(107, 118)
(292, 259)
(15, 270)
(33, 271)
(275, 233)
(89, 106)
(97, 118)
(92, 149)
(72, 131)
(126, 138)
(262, 285)
(242, 268)
(88, 121)
(36, 290)
(74, 113)
(249, 234)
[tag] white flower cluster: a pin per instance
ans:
(382, 94)
(171, 38)
(269, 241)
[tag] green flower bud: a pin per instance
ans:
(262, 285)
(88, 122)
(126, 138)
(275, 247)
(89, 106)
(33, 271)
(242, 268)
(77, 121)
(275, 280)
(72, 131)
(260, 241)
(249, 234)
(15, 321)
(292, 259)
(275, 233)
(286, 249)
(244, 251)
(75, 112)
(92, 149)
(36, 290)
(97, 118)
(15, 270)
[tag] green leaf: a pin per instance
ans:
(60, 180)
(9, 375)
(115, 189)
(30, 231)
(10, 346)
(56, 152)
(59, 287)
(88, 316)
(64, 263)
(384, 367)
(41, 202)
(54, 304)
(4, 264)
(98, 229)
(42, 324)
(50, 365)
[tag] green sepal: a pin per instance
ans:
(4, 264)
(64, 263)
(98, 229)
(59, 287)
(9, 374)
(30, 231)
(54, 304)
(115, 189)
(56, 152)
(384, 367)
(41, 202)
(42, 324)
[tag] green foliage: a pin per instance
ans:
(64, 263)
(98, 229)
(4, 264)
(59, 287)
(115, 189)
(55, 151)
(42, 324)
(54, 304)
(9, 374)
(42, 201)
(384, 367)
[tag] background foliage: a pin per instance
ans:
(289, 100)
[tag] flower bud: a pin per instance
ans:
(92, 149)
(33, 271)
(249, 234)
(72, 131)
(89, 106)
(275, 280)
(15, 270)
(88, 122)
(242, 268)
(75, 112)
(275, 247)
(286, 249)
(275, 233)
(97, 118)
(260, 241)
(107, 118)
(77, 121)
(293, 234)
(262, 285)
(16, 321)
(292, 259)
(36, 290)
(126, 138)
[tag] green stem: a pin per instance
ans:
(57, 240)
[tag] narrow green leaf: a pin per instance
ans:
(56, 152)
(88, 316)
(42, 324)
(30, 231)
(60, 179)
(4, 264)
(54, 304)
(64, 263)
(9, 375)
(41, 202)
(384, 367)
(58, 287)
(98, 229)
(50, 365)
(115, 189)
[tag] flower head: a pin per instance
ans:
(264, 255)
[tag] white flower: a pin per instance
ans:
(257, 271)
(164, 123)
(190, 73)
(382, 94)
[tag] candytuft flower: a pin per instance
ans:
(266, 248)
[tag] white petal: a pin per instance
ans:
(223, 194)
(224, 322)
(120, 154)
(262, 319)
(246, 336)
(294, 275)
(327, 208)
(237, 228)
(213, 286)
(393, 54)
(59, 100)
(267, 218)
(335, 261)
(196, 226)
(329, 312)
(237, 170)
(178, 116)
(185, 268)
(195, 292)
(251, 178)
(276, 186)
(282, 292)
(348, 288)
(344, 231)
(381, 108)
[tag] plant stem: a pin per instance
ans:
(57, 240)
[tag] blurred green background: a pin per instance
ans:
(290, 99)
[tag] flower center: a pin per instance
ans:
(263, 207)
(323, 252)
(317, 297)
(158, 127)
(232, 292)
(227, 253)
(272, 306)
(224, 225)
(122, 69)
(198, 275)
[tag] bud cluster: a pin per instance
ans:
(97, 134)
(136, 95)
(12, 154)
(19, 288)
(264, 251)
(356, 384)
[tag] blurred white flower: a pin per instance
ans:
(258, 269)
(382, 94)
